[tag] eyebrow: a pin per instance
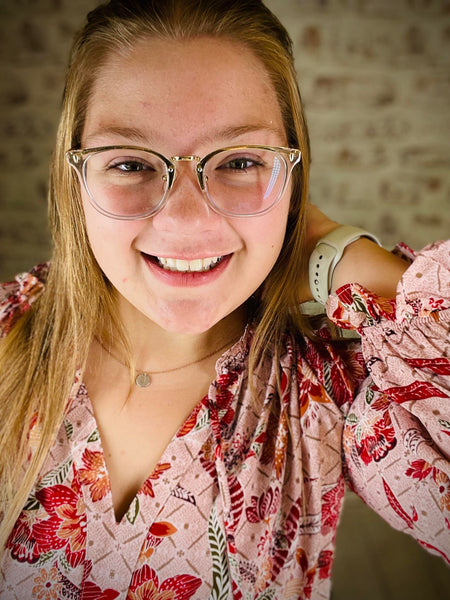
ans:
(228, 133)
(129, 133)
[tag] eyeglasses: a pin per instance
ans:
(129, 182)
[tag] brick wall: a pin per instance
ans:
(374, 76)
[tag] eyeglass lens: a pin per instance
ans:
(129, 182)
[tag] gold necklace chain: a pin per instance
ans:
(143, 378)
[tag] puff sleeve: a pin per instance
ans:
(18, 295)
(396, 439)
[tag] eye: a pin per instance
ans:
(130, 166)
(240, 163)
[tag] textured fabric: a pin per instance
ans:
(245, 501)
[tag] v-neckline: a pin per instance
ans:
(85, 436)
(87, 445)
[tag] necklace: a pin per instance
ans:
(143, 378)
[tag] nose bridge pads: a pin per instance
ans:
(187, 183)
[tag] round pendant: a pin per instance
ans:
(142, 380)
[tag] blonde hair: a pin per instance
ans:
(41, 354)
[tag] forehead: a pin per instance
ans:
(184, 91)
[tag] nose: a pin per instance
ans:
(186, 208)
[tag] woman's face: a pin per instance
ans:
(185, 98)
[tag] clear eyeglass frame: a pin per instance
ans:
(77, 158)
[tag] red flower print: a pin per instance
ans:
(145, 586)
(91, 591)
(324, 563)
(440, 365)
(147, 488)
(377, 438)
(309, 390)
(308, 574)
(22, 540)
(418, 390)
(155, 536)
(263, 506)
(331, 502)
(94, 474)
(398, 508)
(66, 527)
(419, 469)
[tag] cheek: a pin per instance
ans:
(269, 230)
(110, 239)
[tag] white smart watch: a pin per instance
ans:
(326, 255)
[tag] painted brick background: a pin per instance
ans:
(374, 76)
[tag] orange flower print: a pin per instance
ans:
(95, 475)
(147, 488)
(443, 483)
(73, 525)
(281, 445)
(149, 591)
(47, 586)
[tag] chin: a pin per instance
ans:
(189, 319)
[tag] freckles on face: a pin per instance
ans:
(148, 98)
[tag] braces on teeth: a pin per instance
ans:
(186, 266)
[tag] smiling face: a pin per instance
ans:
(187, 267)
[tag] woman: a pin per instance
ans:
(183, 249)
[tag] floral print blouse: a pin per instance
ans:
(245, 501)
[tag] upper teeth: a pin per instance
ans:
(199, 264)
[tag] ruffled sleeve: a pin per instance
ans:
(17, 296)
(397, 433)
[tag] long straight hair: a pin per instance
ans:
(40, 356)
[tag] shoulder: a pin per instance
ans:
(18, 295)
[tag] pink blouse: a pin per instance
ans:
(245, 501)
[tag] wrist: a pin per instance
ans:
(326, 255)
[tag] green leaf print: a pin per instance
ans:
(256, 447)
(69, 429)
(352, 418)
(32, 503)
(58, 476)
(369, 395)
(267, 595)
(328, 383)
(44, 558)
(94, 437)
(202, 422)
(220, 572)
(359, 304)
(133, 511)
(443, 423)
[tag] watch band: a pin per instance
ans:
(326, 255)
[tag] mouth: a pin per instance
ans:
(199, 265)
(187, 273)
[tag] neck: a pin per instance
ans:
(154, 348)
